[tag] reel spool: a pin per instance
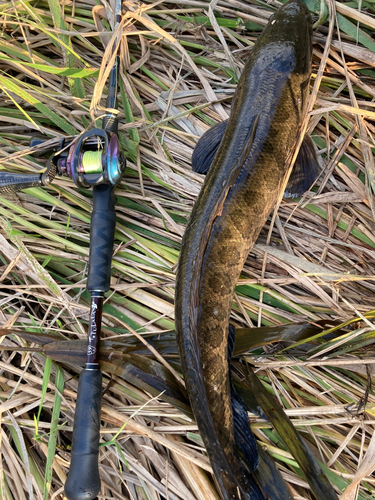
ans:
(91, 162)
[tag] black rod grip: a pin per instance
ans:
(102, 235)
(83, 481)
(9, 183)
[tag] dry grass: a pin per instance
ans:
(313, 261)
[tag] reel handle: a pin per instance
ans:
(10, 182)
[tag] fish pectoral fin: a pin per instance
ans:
(207, 147)
(244, 438)
(305, 170)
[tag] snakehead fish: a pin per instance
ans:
(243, 183)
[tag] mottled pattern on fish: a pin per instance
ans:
(239, 192)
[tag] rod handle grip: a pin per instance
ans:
(10, 183)
(102, 235)
(83, 481)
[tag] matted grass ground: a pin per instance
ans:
(314, 260)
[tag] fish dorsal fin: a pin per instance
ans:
(235, 169)
(276, 489)
(248, 143)
(305, 170)
(206, 148)
(259, 465)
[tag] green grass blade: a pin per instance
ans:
(59, 383)
(10, 85)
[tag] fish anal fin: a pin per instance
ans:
(207, 147)
(244, 438)
(305, 170)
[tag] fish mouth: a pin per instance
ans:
(294, 8)
(294, 12)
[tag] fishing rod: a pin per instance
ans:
(92, 160)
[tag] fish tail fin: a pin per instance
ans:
(305, 170)
(260, 466)
(206, 148)
(244, 438)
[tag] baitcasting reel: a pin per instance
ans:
(92, 159)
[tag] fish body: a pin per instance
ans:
(239, 192)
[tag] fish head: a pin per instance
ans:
(290, 29)
(282, 56)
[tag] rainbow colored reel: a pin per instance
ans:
(92, 159)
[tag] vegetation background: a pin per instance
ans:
(313, 262)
